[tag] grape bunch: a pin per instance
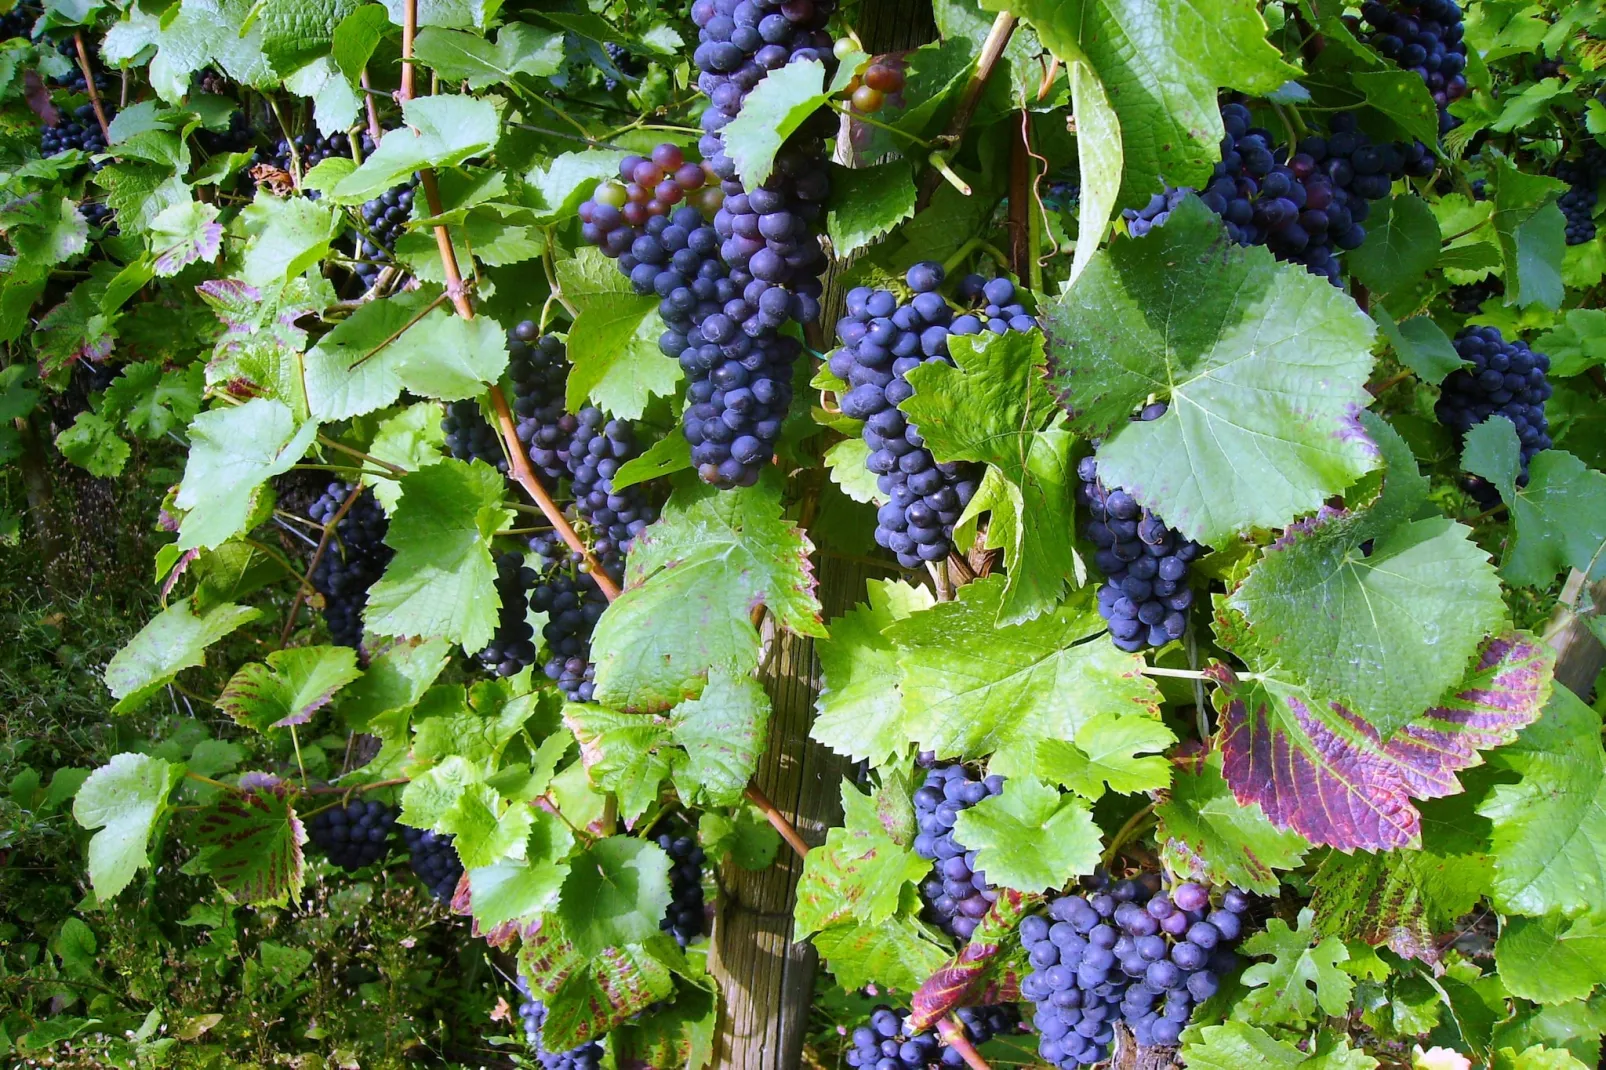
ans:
(623, 62)
(539, 369)
(354, 835)
(386, 219)
(238, 137)
(18, 22)
(882, 341)
(352, 562)
(1125, 952)
(573, 604)
(82, 131)
(313, 150)
(1305, 207)
(73, 81)
(1468, 300)
(470, 436)
(1583, 177)
(870, 88)
(886, 1044)
(1502, 379)
(97, 214)
(512, 645)
(532, 1012)
(957, 896)
(684, 918)
(1424, 36)
(434, 861)
(1146, 595)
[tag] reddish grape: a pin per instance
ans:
(868, 100)
(647, 174)
(667, 192)
(883, 79)
(690, 176)
(667, 156)
(636, 194)
(635, 213)
(656, 208)
(627, 166)
(585, 211)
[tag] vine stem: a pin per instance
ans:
(374, 132)
(1125, 833)
(317, 555)
(777, 820)
(332, 789)
(992, 50)
(393, 469)
(953, 1034)
(89, 84)
(210, 782)
(409, 32)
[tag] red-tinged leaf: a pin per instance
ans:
(37, 95)
(587, 995)
(1326, 773)
(256, 841)
(978, 975)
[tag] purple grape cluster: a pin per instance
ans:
(434, 861)
(573, 603)
(313, 150)
(538, 366)
(82, 131)
(1501, 379)
(352, 562)
(1468, 300)
(1305, 207)
(512, 645)
(684, 918)
(354, 835)
(1125, 951)
(532, 1012)
(956, 894)
(1146, 595)
(886, 1043)
(385, 218)
(882, 341)
(1583, 176)
(1424, 36)
(470, 436)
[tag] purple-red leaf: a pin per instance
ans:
(1326, 773)
(256, 841)
(977, 976)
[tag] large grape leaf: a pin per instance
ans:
(440, 131)
(613, 344)
(174, 640)
(867, 203)
(776, 107)
(253, 844)
(972, 688)
(1549, 843)
(1030, 837)
(1108, 752)
(993, 408)
(1301, 975)
(1263, 364)
(519, 887)
(233, 451)
(694, 579)
(1207, 834)
(1325, 772)
(587, 993)
(1558, 517)
(1236, 1045)
(858, 874)
(484, 831)
(628, 754)
(1162, 63)
(289, 687)
(1405, 605)
(900, 953)
(723, 731)
(859, 711)
(1531, 231)
(1400, 898)
(520, 48)
(442, 581)
(1551, 960)
(617, 890)
(124, 799)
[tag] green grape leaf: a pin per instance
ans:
(694, 579)
(519, 49)
(1401, 246)
(394, 680)
(1409, 615)
(613, 344)
(44, 231)
(680, 1034)
(1207, 834)
(483, 830)
(1559, 517)
(1100, 157)
(1400, 898)
(92, 444)
(859, 710)
(1420, 344)
(1530, 230)
(1535, 1058)
(1576, 1026)
(412, 439)
(993, 408)
(588, 993)
(183, 234)
(253, 847)
(899, 953)
(1030, 837)
(260, 345)
(1325, 772)
(1106, 751)
(335, 104)
(442, 581)
(1399, 94)
(402, 343)
(745, 837)
(526, 885)
(628, 754)
(668, 455)
(616, 891)
(478, 729)
(440, 131)
(1236, 1045)
(152, 402)
(770, 114)
(288, 235)
(453, 14)
(172, 641)
(971, 688)
(1300, 977)
(1549, 843)
(289, 687)
(233, 452)
(866, 203)
(138, 192)
(429, 796)
(1576, 343)
(1161, 65)
(723, 730)
(563, 183)
(1263, 365)
(1551, 959)
(124, 799)
(858, 874)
